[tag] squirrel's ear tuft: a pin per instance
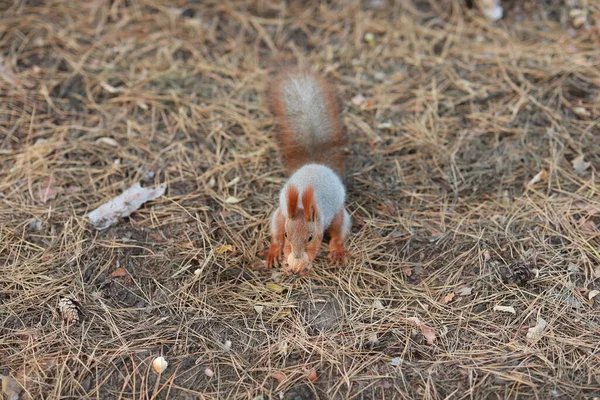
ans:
(292, 201)
(309, 205)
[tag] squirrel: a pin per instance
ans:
(311, 139)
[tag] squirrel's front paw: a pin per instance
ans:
(274, 255)
(337, 255)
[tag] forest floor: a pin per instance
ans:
(473, 189)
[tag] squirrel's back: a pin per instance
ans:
(308, 115)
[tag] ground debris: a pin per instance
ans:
(123, 205)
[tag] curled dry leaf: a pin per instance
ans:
(311, 375)
(283, 348)
(258, 309)
(48, 190)
(372, 338)
(160, 364)
(592, 294)
(464, 291)
(110, 89)
(278, 375)
(209, 372)
(233, 181)
(540, 176)
(119, 272)
(233, 200)
(107, 140)
(509, 309)
(427, 331)
(272, 286)
(282, 314)
(396, 362)
(227, 345)
(447, 298)
(536, 332)
(224, 249)
(579, 165)
(10, 387)
(581, 112)
(492, 9)
(123, 205)
(358, 99)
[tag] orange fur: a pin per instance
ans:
(308, 202)
(337, 252)
(294, 154)
(292, 202)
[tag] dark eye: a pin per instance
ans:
(310, 238)
(285, 234)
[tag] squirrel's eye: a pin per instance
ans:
(285, 234)
(310, 238)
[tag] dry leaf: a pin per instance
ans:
(373, 338)
(386, 126)
(509, 309)
(233, 200)
(537, 330)
(107, 140)
(464, 291)
(492, 9)
(278, 375)
(209, 372)
(358, 99)
(48, 190)
(275, 287)
(579, 165)
(282, 314)
(10, 387)
(378, 305)
(396, 362)
(233, 181)
(197, 272)
(119, 272)
(312, 375)
(110, 89)
(224, 249)
(258, 309)
(592, 294)
(123, 205)
(227, 345)
(540, 176)
(581, 112)
(283, 348)
(159, 364)
(447, 298)
(427, 331)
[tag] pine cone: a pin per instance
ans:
(69, 309)
(518, 273)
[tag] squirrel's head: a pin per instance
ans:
(303, 231)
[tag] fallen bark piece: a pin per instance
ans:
(123, 205)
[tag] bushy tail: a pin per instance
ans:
(308, 114)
